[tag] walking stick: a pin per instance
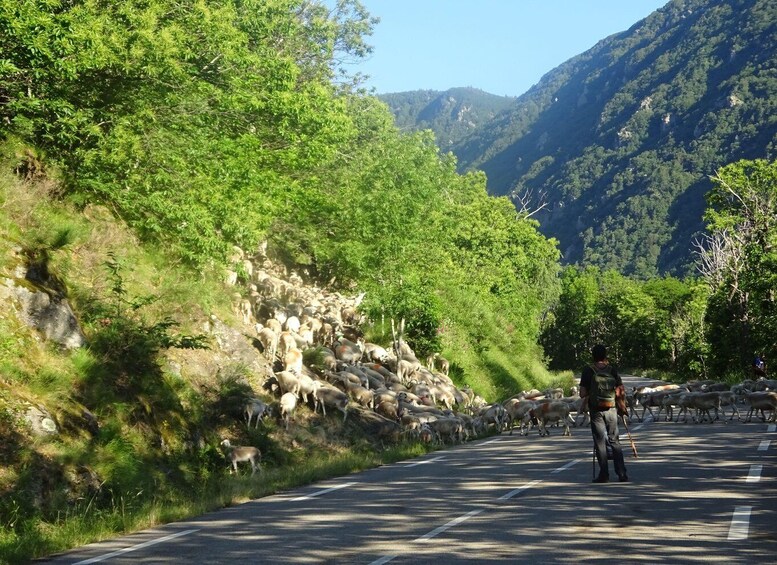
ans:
(633, 446)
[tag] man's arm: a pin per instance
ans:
(620, 399)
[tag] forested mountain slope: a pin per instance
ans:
(451, 115)
(620, 141)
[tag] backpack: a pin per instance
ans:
(602, 393)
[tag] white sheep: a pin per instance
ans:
(274, 325)
(246, 310)
(307, 387)
(269, 340)
(292, 324)
(287, 382)
(304, 338)
(239, 453)
(288, 404)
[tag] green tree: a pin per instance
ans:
(740, 263)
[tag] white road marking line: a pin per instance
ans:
(426, 461)
(135, 547)
(491, 441)
(384, 559)
(740, 523)
(772, 428)
(755, 473)
(637, 428)
(764, 445)
(565, 467)
(512, 493)
(320, 492)
(450, 524)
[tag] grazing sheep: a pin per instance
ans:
(287, 406)
(275, 326)
(239, 453)
(292, 324)
(426, 434)
(287, 382)
(376, 353)
(332, 397)
(292, 361)
(258, 408)
(354, 370)
(442, 364)
(246, 310)
(308, 387)
(376, 378)
(361, 395)
(269, 340)
(388, 409)
(349, 351)
(450, 428)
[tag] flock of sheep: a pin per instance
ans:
(312, 340)
(700, 399)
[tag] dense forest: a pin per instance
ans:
(618, 144)
(142, 141)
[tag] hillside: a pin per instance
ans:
(620, 141)
(122, 371)
(143, 143)
(451, 115)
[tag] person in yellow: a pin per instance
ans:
(602, 388)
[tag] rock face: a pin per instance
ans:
(231, 348)
(45, 311)
(39, 420)
(51, 316)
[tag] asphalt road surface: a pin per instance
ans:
(699, 493)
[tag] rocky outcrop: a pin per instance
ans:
(45, 310)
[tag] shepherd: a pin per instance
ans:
(602, 388)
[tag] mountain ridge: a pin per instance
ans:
(452, 114)
(618, 143)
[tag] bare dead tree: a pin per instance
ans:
(398, 336)
(720, 257)
(525, 200)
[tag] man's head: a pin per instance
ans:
(599, 352)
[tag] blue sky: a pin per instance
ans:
(500, 46)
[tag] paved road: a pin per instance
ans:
(699, 493)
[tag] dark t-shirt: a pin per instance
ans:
(588, 373)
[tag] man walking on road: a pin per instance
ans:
(602, 388)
